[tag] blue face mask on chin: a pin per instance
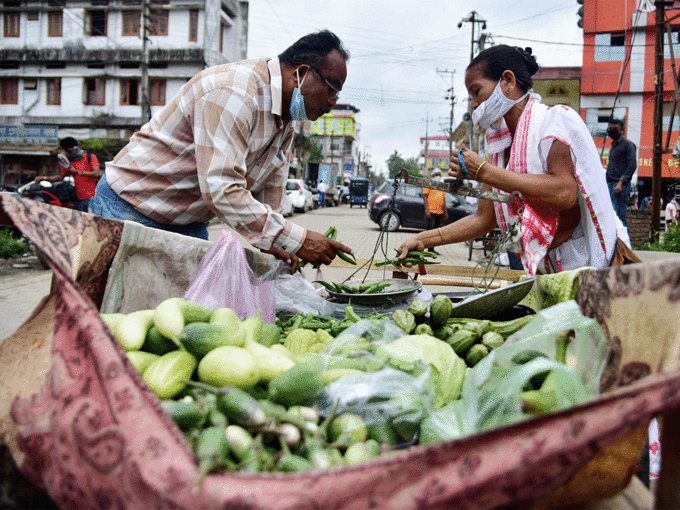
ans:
(297, 102)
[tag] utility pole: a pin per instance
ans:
(658, 118)
(474, 19)
(146, 108)
(427, 140)
(450, 97)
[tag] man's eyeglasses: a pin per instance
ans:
(333, 93)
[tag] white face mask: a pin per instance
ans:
(493, 109)
(437, 177)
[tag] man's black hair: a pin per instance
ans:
(495, 60)
(618, 122)
(312, 49)
(68, 143)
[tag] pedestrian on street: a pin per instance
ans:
(564, 219)
(83, 166)
(671, 213)
(322, 187)
(218, 149)
(620, 168)
(435, 205)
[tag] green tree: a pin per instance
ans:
(395, 163)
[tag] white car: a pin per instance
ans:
(300, 195)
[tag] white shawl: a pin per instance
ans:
(593, 242)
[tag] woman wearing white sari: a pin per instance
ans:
(563, 217)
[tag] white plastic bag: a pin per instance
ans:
(224, 279)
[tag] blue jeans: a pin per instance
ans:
(108, 204)
(620, 201)
(82, 205)
(322, 199)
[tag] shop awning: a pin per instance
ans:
(19, 152)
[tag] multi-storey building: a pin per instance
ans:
(559, 85)
(618, 79)
(74, 68)
(337, 132)
(434, 153)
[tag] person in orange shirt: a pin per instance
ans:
(435, 205)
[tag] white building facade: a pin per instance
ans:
(71, 68)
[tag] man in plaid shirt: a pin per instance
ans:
(218, 148)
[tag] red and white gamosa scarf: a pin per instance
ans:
(594, 239)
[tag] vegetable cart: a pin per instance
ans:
(82, 425)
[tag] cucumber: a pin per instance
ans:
(229, 365)
(492, 340)
(156, 343)
(131, 330)
(167, 376)
(526, 356)
(298, 385)
(462, 340)
(476, 354)
(186, 415)
(271, 335)
(236, 404)
(141, 360)
(199, 338)
(172, 314)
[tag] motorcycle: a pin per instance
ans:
(61, 194)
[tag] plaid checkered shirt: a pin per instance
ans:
(218, 148)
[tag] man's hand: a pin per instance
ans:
(293, 260)
(318, 249)
(428, 214)
(619, 187)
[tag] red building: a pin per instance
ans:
(617, 79)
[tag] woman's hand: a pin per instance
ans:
(411, 244)
(473, 163)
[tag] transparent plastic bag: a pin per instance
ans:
(224, 279)
(493, 389)
(382, 395)
(295, 294)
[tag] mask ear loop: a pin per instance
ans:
(297, 73)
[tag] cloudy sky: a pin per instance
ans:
(406, 55)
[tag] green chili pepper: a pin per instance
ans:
(346, 257)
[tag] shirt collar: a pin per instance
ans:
(276, 85)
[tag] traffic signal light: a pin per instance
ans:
(580, 13)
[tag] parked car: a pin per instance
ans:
(408, 210)
(300, 195)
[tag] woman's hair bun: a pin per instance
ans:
(529, 59)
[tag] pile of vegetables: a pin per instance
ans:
(471, 339)
(260, 397)
(364, 288)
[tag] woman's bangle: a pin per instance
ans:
(478, 169)
(441, 236)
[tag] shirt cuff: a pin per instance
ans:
(291, 238)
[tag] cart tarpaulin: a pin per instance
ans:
(81, 423)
